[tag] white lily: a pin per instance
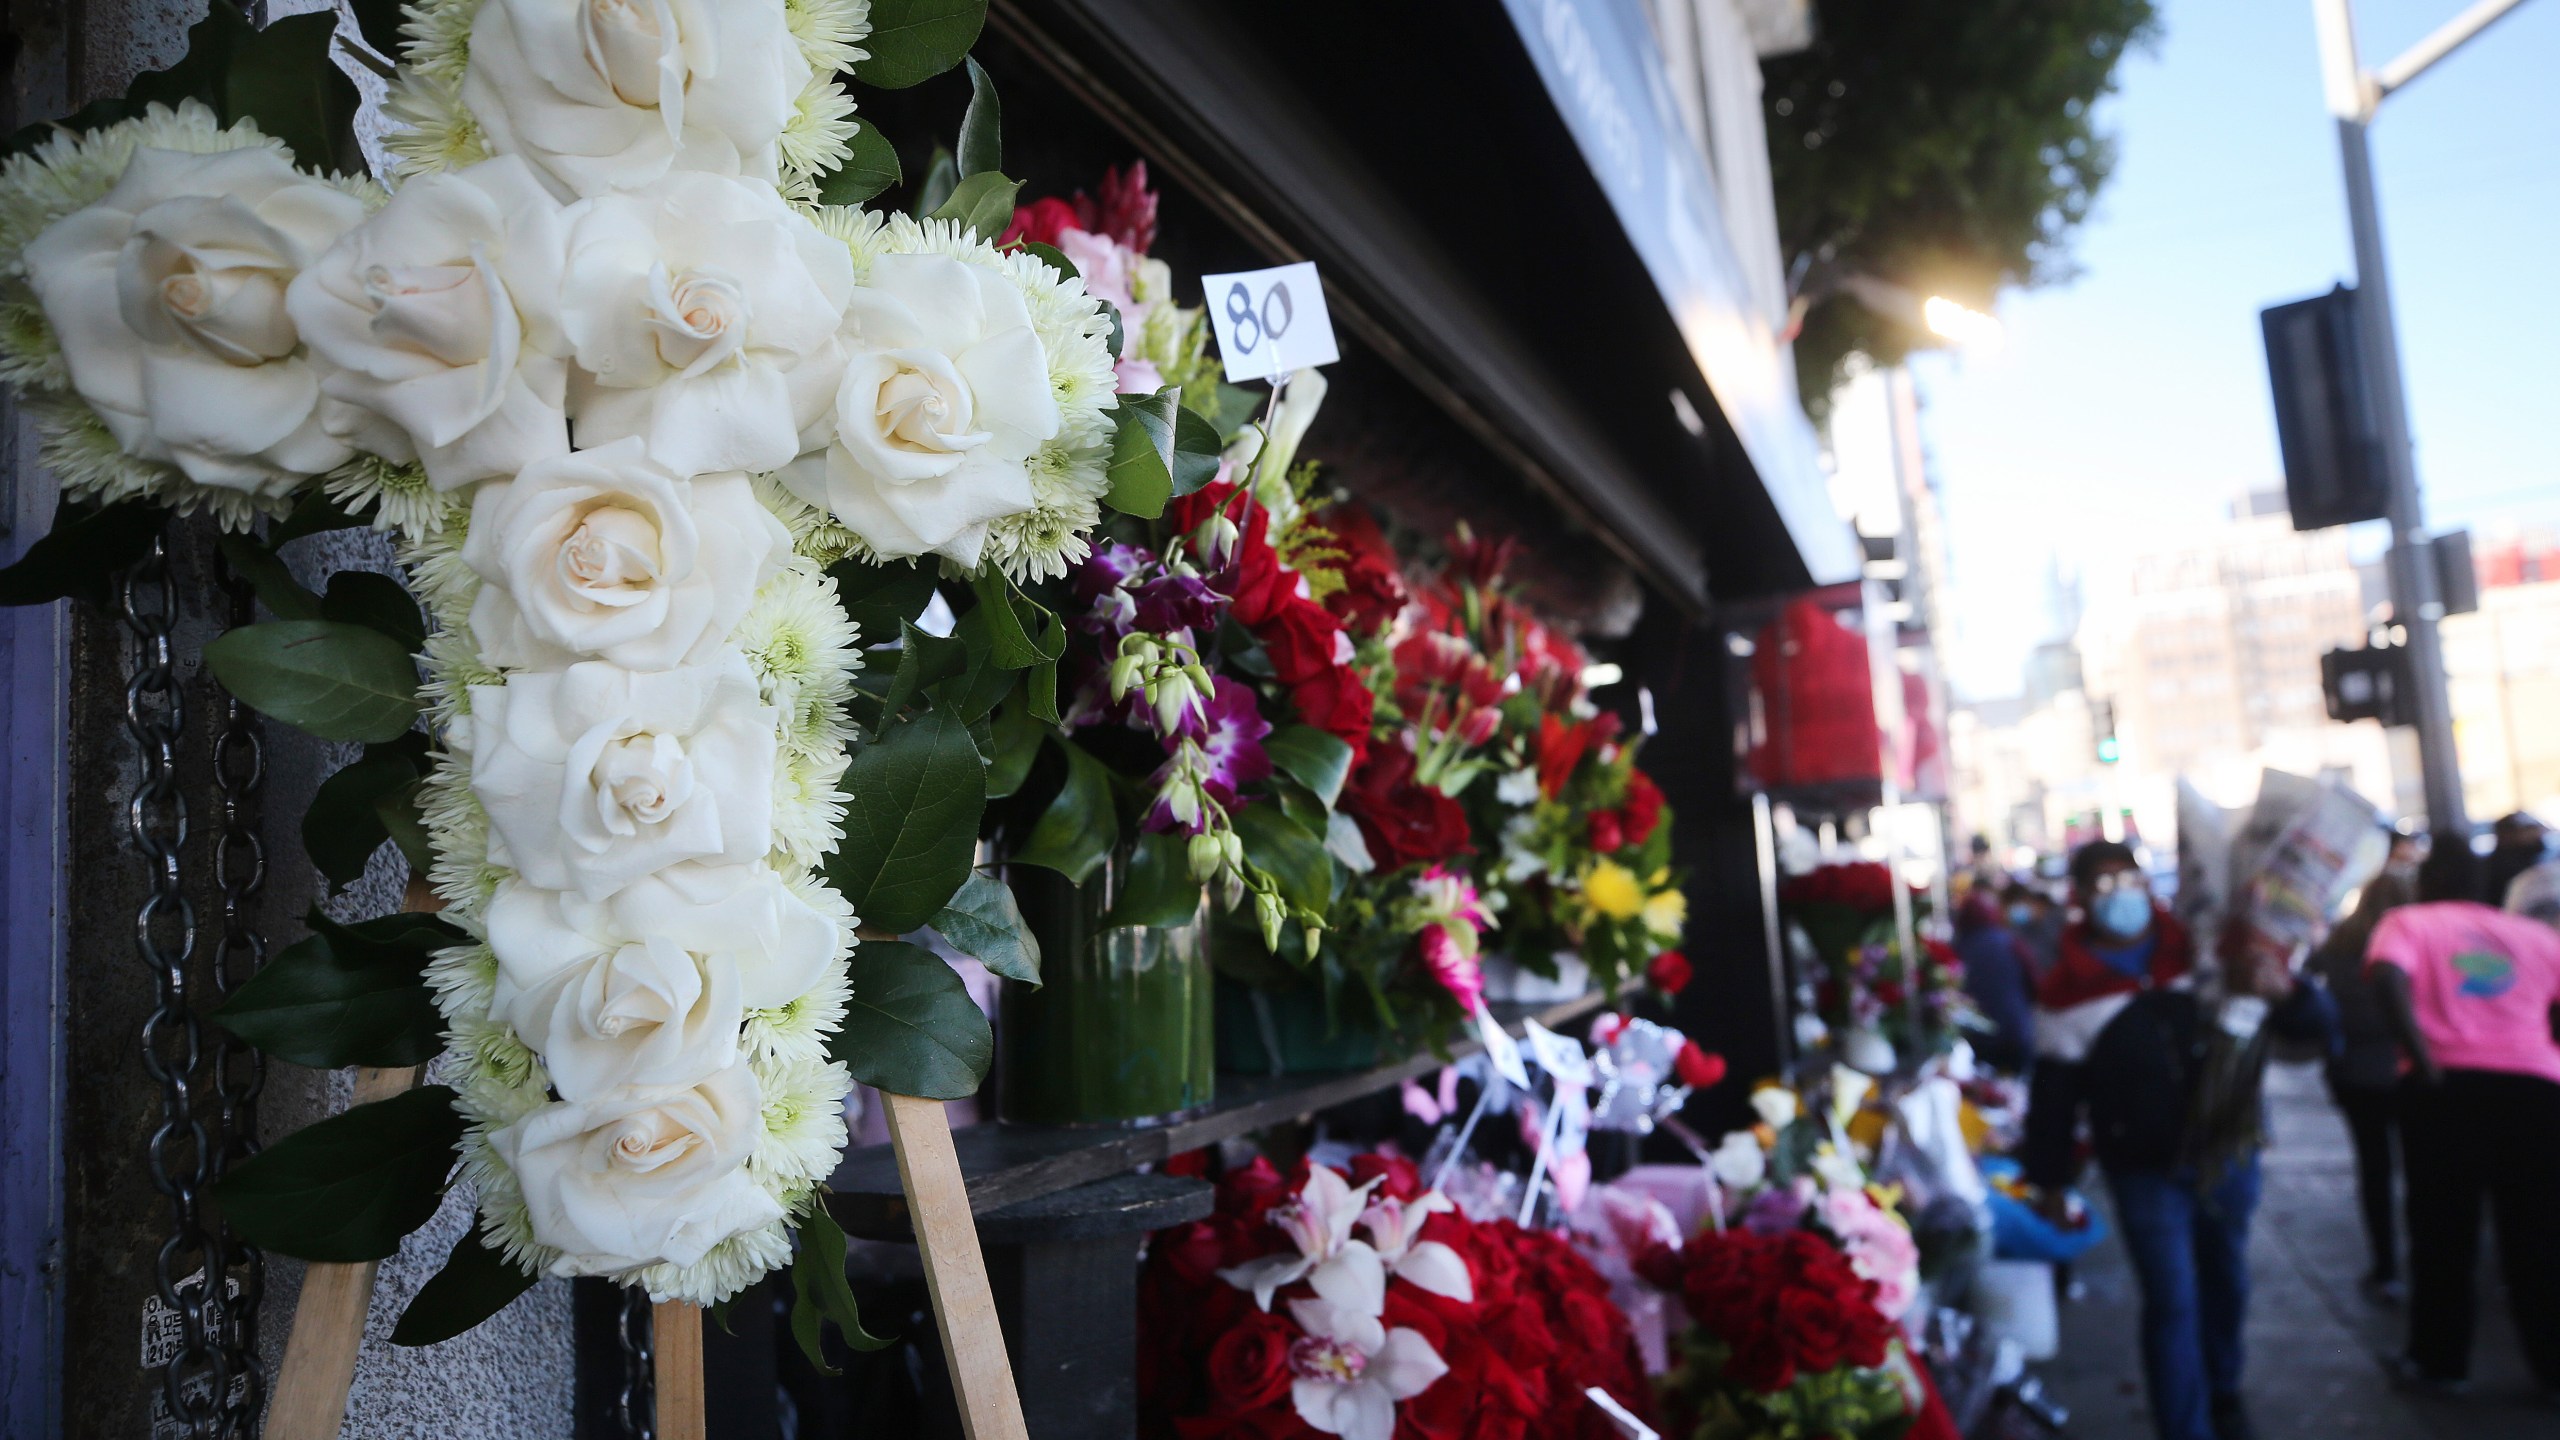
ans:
(1395, 1231)
(1344, 1271)
(1349, 1370)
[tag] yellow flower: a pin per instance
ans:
(1665, 913)
(1611, 889)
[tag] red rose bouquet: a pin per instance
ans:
(1785, 1339)
(1369, 1308)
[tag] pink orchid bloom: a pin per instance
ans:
(1350, 1370)
(1395, 1232)
(1344, 1271)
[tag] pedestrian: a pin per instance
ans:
(2470, 991)
(2520, 847)
(2036, 921)
(2119, 1035)
(2364, 1070)
(1997, 979)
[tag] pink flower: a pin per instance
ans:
(1453, 966)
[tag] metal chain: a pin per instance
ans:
(236, 1071)
(637, 1403)
(196, 1377)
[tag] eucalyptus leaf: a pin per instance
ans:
(983, 920)
(911, 1028)
(908, 842)
(284, 596)
(1196, 450)
(347, 995)
(1017, 735)
(911, 41)
(1157, 888)
(1079, 828)
(281, 77)
(475, 1284)
(404, 819)
(1312, 757)
(980, 684)
(1283, 849)
(941, 177)
(79, 557)
(1040, 685)
(820, 1295)
(981, 127)
(870, 166)
(1141, 468)
(336, 680)
(924, 661)
(1015, 649)
(377, 602)
(349, 1187)
(341, 829)
(982, 202)
(1344, 842)
(877, 597)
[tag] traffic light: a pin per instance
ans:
(2102, 724)
(2366, 683)
(2333, 470)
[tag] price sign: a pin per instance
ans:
(1500, 1048)
(1270, 322)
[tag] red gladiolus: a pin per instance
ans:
(1643, 809)
(1699, 1069)
(1560, 748)
(1668, 972)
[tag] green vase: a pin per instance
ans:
(1120, 1030)
(1284, 1031)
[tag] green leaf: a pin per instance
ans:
(341, 830)
(475, 1283)
(982, 202)
(1014, 649)
(378, 603)
(982, 127)
(338, 681)
(347, 1188)
(348, 995)
(941, 177)
(983, 920)
(1157, 888)
(1313, 758)
(1079, 828)
(980, 684)
(1141, 470)
(912, 41)
(877, 597)
(819, 1294)
(924, 661)
(404, 819)
(910, 837)
(1055, 258)
(1236, 405)
(1196, 448)
(1017, 735)
(870, 166)
(1041, 684)
(911, 1028)
(281, 77)
(284, 596)
(1119, 333)
(79, 557)
(1282, 849)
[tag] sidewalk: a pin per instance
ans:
(2314, 1343)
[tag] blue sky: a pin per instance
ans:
(2130, 403)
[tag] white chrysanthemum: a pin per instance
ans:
(447, 586)
(496, 1078)
(830, 32)
(808, 809)
(798, 1032)
(458, 831)
(453, 667)
(817, 138)
(1067, 486)
(399, 497)
(804, 651)
(803, 1122)
(729, 1267)
(814, 532)
(435, 131)
(68, 172)
(505, 1224)
(463, 977)
(436, 38)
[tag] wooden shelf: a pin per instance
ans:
(1008, 1165)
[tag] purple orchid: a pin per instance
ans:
(1213, 757)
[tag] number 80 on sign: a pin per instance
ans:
(1270, 322)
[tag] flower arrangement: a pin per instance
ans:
(1368, 1307)
(1785, 1339)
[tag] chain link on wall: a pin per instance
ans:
(636, 1404)
(196, 1375)
(236, 1072)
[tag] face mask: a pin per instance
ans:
(2122, 912)
(2022, 916)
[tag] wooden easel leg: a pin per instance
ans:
(955, 1274)
(675, 1338)
(328, 1321)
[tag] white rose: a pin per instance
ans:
(606, 553)
(606, 95)
(642, 1176)
(1739, 1163)
(436, 313)
(944, 401)
(168, 299)
(595, 776)
(650, 987)
(703, 313)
